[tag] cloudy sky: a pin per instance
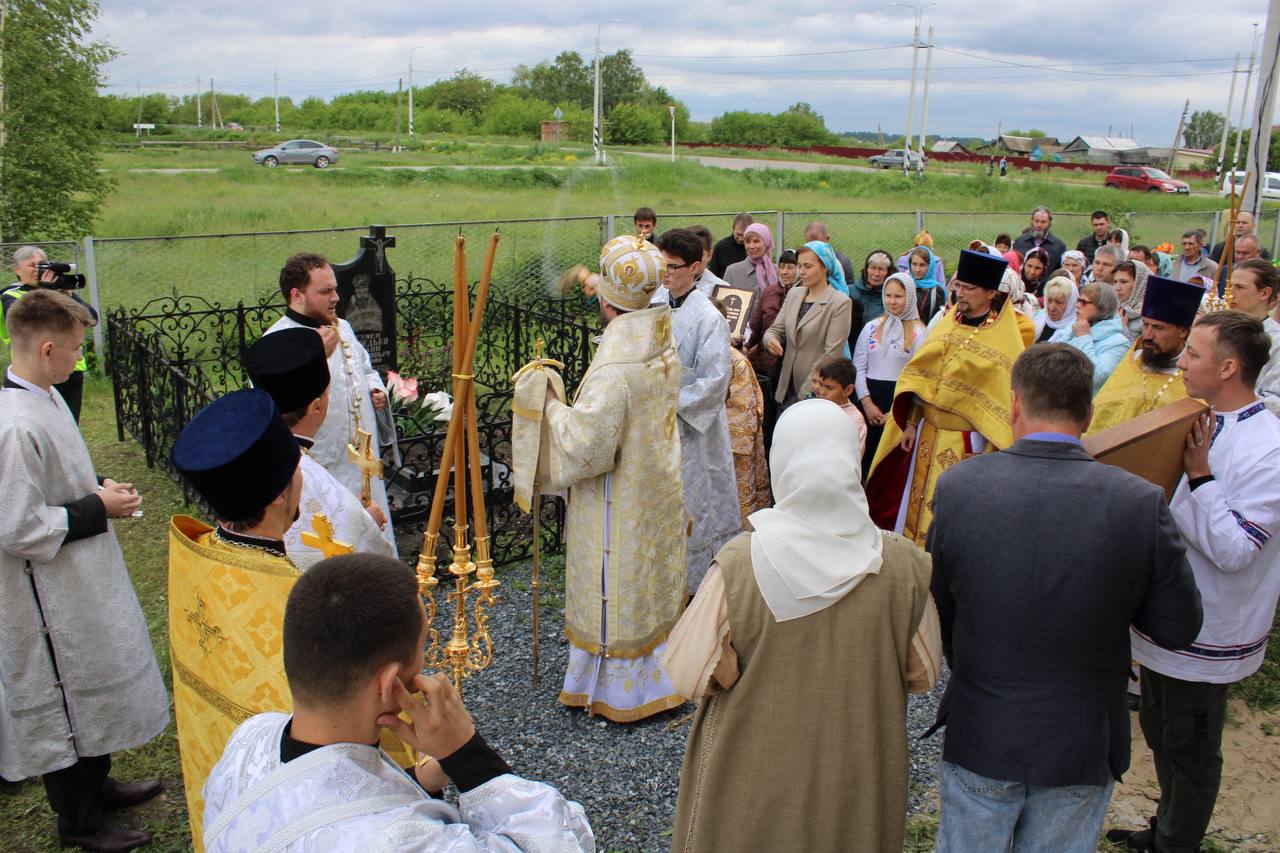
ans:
(1078, 67)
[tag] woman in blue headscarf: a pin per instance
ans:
(814, 321)
(826, 254)
(931, 296)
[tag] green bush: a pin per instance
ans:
(632, 124)
(512, 115)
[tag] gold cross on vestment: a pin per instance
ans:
(322, 540)
(209, 633)
(361, 453)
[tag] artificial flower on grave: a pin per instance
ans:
(403, 389)
(439, 404)
(416, 413)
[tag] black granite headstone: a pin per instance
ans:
(367, 297)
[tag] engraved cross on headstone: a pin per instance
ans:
(378, 240)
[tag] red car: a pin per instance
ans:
(1144, 179)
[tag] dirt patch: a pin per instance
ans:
(1247, 816)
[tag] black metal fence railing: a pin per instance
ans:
(155, 396)
(174, 354)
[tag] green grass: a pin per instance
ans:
(864, 211)
(25, 814)
(1262, 689)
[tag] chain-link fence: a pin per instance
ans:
(233, 267)
(228, 268)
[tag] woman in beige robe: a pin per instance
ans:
(802, 645)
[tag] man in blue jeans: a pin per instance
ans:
(1042, 558)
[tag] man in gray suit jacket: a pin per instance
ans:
(1042, 558)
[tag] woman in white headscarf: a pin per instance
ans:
(884, 347)
(1054, 320)
(816, 615)
(1120, 237)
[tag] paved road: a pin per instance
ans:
(740, 163)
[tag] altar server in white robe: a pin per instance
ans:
(706, 459)
(317, 780)
(1227, 507)
(291, 367)
(79, 674)
(357, 394)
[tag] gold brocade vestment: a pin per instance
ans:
(226, 622)
(957, 384)
(1133, 390)
(226, 628)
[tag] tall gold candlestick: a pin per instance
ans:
(466, 651)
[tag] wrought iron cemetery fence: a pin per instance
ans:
(172, 355)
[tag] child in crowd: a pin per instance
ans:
(834, 379)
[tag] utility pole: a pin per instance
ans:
(411, 50)
(924, 103)
(1226, 122)
(215, 115)
(672, 109)
(1263, 111)
(399, 92)
(597, 104)
(1248, 80)
(1177, 136)
(275, 92)
(911, 98)
(199, 111)
(139, 106)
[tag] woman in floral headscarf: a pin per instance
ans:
(1130, 282)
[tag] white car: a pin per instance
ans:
(1271, 189)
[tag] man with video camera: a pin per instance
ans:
(34, 271)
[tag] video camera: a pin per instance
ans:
(67, 277)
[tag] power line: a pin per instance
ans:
(772, 55)
(1066, 68)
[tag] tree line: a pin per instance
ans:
(636, 112)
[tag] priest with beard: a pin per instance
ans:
(357, 394)
(1148, 377)
(952, 400)
(290, 365)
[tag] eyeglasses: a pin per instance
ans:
(673, 267)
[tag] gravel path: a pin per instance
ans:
(625, 776)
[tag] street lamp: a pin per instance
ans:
(911, 99)
(411, 50)
(596, 141)
(672, 109)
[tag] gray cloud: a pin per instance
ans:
(324, 51)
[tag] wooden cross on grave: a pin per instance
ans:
(379, 242)
(322, 540)
(361, 453)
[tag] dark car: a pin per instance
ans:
(1144, 179)
(305, 151)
